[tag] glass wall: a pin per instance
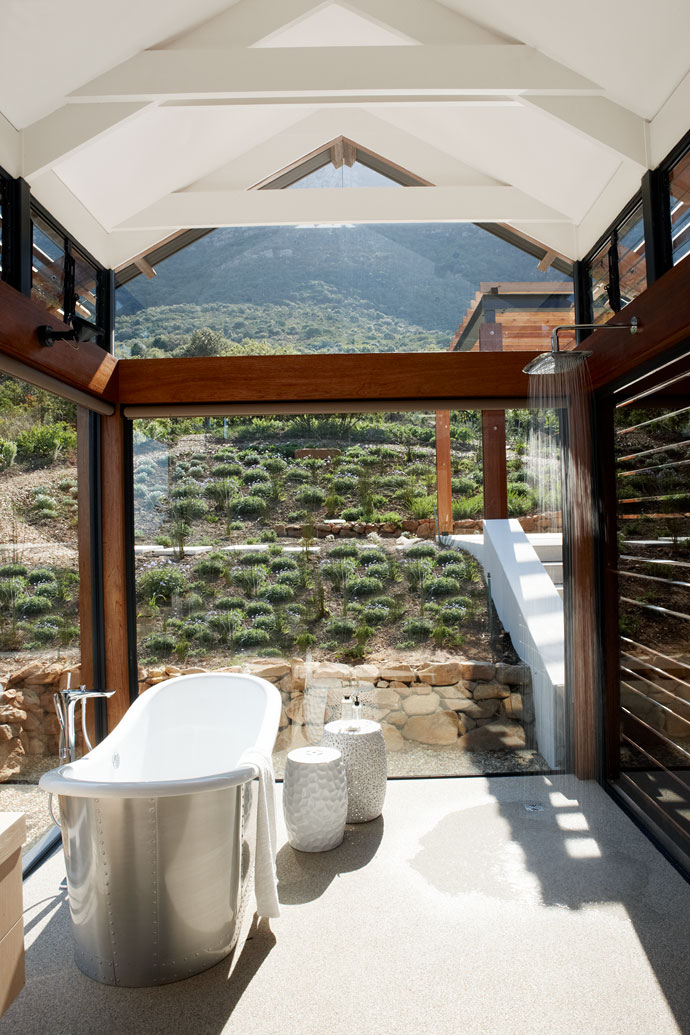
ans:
(303, 548)
(48, 274)
(319, 289)
(618, 272)
(679, 188)
(39, 589)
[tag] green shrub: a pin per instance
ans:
(222, 493)
(372, 556)
(229, 604)
(13, 569)
(48, 589)
(338, 571)
(444, 557)
(210, 568)
(162, 582)
(253, 638)
(344, 550)
(441, 586)
(41, 444)
(422, 507)
(456, 571)
(266, 622)
(418, 572)
(251, 580)
(341, 629)
(268, 536)
(258, 607)
(35, 605)
(226, 471)
(365, 586)
(279, 593)
(191, 602)
(159, 645)
(291, 578)
(379, 571)
(264, 490)
(39, 575)
(311, 496)
(250, 506)
(188, 490)
(11, 589)
(417, 629)
(391, 517)
(196, 471)
(351, 514)
(274, 464)
(46, 631)
(283, 563)
(199, 632)
(249, 457)
(453, 614)
(421, 550)
(189, 509)
(255, 474)
(344, 484)
(470, 507)
(252, 557)
(297, 474)
(8, 452)
(163, 540)
(225, 624)
(375, 614)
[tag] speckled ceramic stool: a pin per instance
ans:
(315, 798)
(360, 741)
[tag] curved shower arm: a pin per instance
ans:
(633, 327)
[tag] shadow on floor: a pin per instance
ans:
(202, 1004)
(560, 844)
(305, 876)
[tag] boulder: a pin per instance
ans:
(421, 704)
(518, 675)
(439, 728)
(494, 736)
(270, 670)
(399, 673)
(459, 690)
(11, 755)
(295, 710)
(477, 670)
(396, 718)
(485, 691)
(290, 738)
(8, 713)
(440, 673)
(475, 709)
(24, 673)
(365, 673)
(392, 737)
(512, 707)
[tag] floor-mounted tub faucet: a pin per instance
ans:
(65, 705)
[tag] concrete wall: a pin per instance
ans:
(532, 612)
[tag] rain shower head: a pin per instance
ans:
(557, 362)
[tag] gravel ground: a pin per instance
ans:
(33, 802)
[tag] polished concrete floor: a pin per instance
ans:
(500, 906)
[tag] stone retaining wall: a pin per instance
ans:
(476, 705)
(423, 529)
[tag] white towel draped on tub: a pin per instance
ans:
(265, 876)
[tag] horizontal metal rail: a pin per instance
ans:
(664, 675)
(659, 654)
(656, 608)
(653, 560)
(656, 733)
(652, 700)
(653, 420)
(685, 444)
(656, 805)
(652, 578)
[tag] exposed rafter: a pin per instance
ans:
(237, 72)
(599, 119)
(362, 205)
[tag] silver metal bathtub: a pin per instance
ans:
(159, 871)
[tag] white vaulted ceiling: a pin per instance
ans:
(540, 115)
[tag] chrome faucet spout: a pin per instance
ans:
(65, 705)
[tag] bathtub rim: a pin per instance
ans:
(71, 778)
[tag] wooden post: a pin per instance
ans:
(444, 492)
(578, 533)
(84, 549)
(494, 464)
(113, 461)
(494, 438)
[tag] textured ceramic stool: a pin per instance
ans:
(315, 798)
(360, 741)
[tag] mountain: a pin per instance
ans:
(304, 289)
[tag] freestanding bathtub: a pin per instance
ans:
(159, 828)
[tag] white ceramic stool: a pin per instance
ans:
(315, 798)
(361, 743)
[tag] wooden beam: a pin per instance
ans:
(145, 267)
(444, 491)
(88, 368)
(113, 461)
(228, 379)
